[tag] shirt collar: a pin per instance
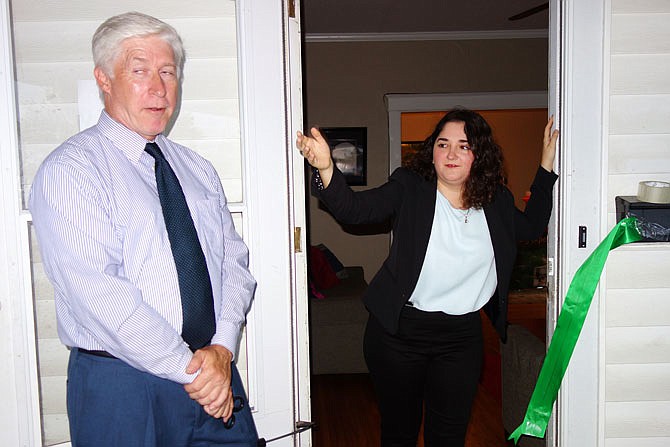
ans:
(127, 141)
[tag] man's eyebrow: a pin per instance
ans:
(137, 58)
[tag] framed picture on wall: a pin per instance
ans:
(348, 146)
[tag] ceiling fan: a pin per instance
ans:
(529, 12)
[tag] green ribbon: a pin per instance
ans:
(569, 325)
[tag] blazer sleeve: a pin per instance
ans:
(371, 206)
(532, 222)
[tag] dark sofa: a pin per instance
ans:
(337, 323)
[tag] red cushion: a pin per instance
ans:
(322, 273)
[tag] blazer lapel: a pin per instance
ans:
(495, 224)
(425, 213)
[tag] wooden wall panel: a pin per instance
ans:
(640, 74)
(640, 33)
(637, 419)
(75, 10)
(210, 79)
(54, 402)
(639, 114)
(208, 37)
(639, 154)
(637, 307)
(45, 319)
(637, 382)
(638, 442)
(50, 82)
(633, 6)
(47, 42)
(47, 123)
(629, 345)
(42, 288)
(36, 42)
(206, 119)
(224, 154)
(55, 427)
(639, 267)
(53, 355)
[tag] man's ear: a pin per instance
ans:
(102, 79)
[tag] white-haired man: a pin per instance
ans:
(151, 280)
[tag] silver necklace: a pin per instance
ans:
(459, 213)
(465, 214)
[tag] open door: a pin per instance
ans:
(271, 106)
(240, 108)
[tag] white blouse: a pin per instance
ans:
(458, 275)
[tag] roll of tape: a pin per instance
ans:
(654, 192)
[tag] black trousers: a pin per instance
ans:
(433, 362)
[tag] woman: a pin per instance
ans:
(455, 229)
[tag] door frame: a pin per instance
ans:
(578, 46)
(298, 221)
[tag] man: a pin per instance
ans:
(151, 280)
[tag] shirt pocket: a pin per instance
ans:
(209, 225)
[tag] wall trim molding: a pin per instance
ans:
(444, 35)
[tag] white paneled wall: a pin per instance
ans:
(48, 68)
(52, 41)
(637, 315)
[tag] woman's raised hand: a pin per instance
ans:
(315, 149)
(549, 146)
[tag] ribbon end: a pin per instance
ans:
(528, 428)
(515, 435)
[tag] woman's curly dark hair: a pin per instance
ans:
(486, 173)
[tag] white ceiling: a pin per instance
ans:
(401, 16)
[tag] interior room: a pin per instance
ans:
(350, 65)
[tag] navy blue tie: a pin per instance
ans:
(194, 283)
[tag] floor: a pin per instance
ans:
(345, 411)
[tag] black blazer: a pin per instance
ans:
(409, 202)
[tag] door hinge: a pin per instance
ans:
(297, 241)
(291, 9)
